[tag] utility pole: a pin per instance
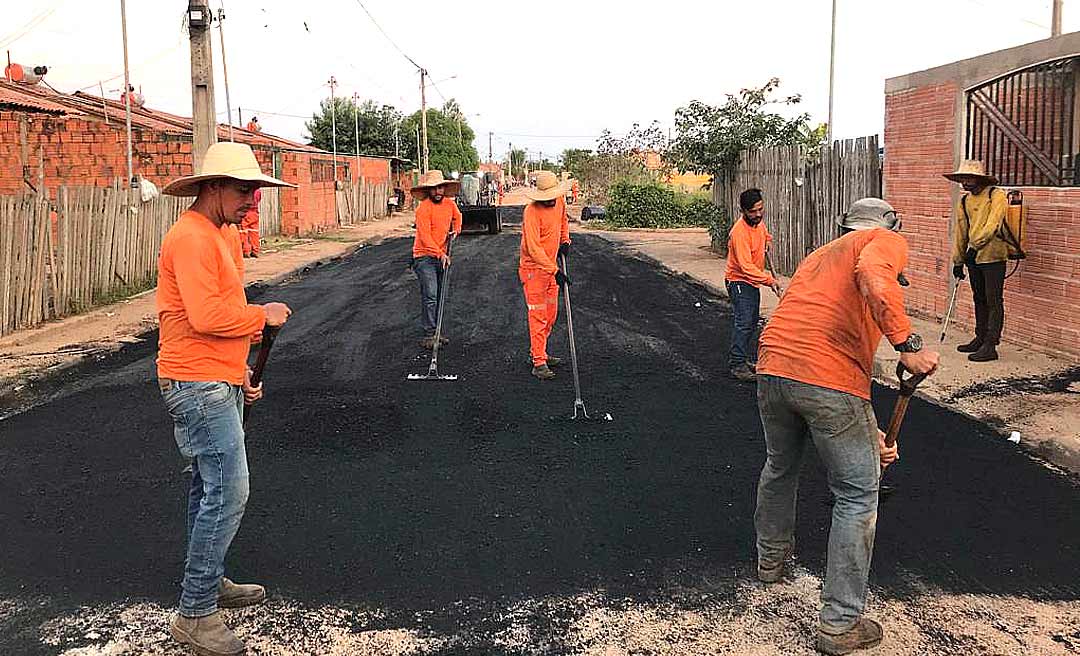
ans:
(225, 66)
(419, 157)
(127, 97)
(491, 158)
(356, 128)
(204, 122)
(832, 69)
(1055, 23)
(397, 141)
(423, 123)
(333, 124)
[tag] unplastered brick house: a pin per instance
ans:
(51, 139)
(1018, 111)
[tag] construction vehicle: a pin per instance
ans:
(478, 202)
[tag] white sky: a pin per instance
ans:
(558, 71)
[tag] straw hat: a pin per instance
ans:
(433, 179)
(869, 213)
(547, 187)
(971, 168)
(233, 161)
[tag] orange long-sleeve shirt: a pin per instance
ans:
(746, 254)
(843, 297)
(433, 221)
(543, 229)
(206, 322)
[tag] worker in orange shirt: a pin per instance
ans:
(747, 242)
(206, 330)
(438, 221)
(545, 235)
(249, 228)
(253, 125)
(817, 355)
(574, 189)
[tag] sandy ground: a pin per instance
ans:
(1021, 392)
(391, 517)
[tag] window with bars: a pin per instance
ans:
(1023, 125)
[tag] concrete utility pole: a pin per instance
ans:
(204, 122)
(423, 123)
(832, 69)
(225, 66)
(356, 128)
(333, 124)
(1055, 23)
(491, 157)
(127, 95)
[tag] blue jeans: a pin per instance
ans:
(745, 312)
(844, 431)
(429, 271)
(209, 430)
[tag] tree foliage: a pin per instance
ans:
(709, 139)
(653, 205)
(450, 139)
(376, 126)
(517, 162)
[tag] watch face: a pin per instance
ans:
(915, 342)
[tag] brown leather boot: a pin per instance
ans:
(236, 595)
(208, 635)
(865, 634)
(543, 373)
(553, 361)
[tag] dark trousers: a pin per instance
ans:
(745, 311)
(429, 271)
(987, 289)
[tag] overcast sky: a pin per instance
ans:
(541, 75)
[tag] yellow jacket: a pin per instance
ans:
(979, 228)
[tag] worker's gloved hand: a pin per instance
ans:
(564, 250)
(561, 278)
(958, 271)
(969, 257)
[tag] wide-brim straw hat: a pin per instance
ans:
(547, 187)
(433, 179)
(971, 168)
(869, 213)
(224, 160)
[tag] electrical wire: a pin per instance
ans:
(30, 25)
(396, 46)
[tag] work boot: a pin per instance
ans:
(542, 372)
(773, 572)
(986, 353)
(234, 595)
(972, 346)
(743, 373)
(208, 635)
(865, 634)
(428, 342)
(553, 361)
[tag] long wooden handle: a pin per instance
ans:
(896, 420)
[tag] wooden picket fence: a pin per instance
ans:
(85, 247)
(362, 201)
(804, 195)
(270, 212)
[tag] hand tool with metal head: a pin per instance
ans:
(444, 288)
(580, 413)
(269, 334)
(907, 390)
(952, 306)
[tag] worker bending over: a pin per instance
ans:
(438, 221)
(545, 235)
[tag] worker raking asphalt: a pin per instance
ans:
(372, 490)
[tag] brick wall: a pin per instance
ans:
(1042, 300)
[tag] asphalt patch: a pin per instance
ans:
(370, 489)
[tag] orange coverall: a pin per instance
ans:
(249, 228)
(543, 230)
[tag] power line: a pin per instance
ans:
(30, 25)
(376, 23)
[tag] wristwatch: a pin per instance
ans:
(913, 344)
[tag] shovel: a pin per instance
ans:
(580, 413)
(907, 390)
(269, 334)
(433, 368)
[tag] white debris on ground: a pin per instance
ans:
(775, 620)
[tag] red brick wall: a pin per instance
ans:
(1042, 300)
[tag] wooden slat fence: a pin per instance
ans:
(362, 201)
(803, 197)
(270, 212)
(85, 248)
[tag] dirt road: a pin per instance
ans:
(398, 517)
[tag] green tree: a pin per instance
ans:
(517, 162)
(575, 160)
(710, 139)
(450, 139)
(376, 123)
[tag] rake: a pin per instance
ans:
(433, 368)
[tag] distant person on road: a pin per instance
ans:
(545, 235)
(817, 355)
(438, 221)
(977, 244)
(207, 328)
(747, 242)
(249, 228)
(253, 125)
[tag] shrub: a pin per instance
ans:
(652, 205)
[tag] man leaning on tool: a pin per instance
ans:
(545, 235)
(817, 355)
(437, 217)
(978, 245)
(207, 328)
(745, 274)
